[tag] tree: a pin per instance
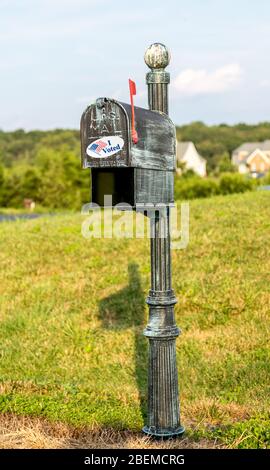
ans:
(225, 165)
(2, 181)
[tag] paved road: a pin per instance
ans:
(12, 217)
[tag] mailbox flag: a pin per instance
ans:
(132, 89)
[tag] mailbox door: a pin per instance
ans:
(105, 135)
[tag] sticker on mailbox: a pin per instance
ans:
(105, 147)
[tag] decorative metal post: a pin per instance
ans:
(163, 397)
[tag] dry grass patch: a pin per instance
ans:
(210, 412)
(22, 432)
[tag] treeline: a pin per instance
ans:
(45, 165)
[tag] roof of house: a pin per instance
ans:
(247, 147)
(251, 146)
(182, 148)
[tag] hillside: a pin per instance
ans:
(73, 311)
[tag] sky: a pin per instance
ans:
(57, 56)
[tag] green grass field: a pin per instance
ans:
(72, 313)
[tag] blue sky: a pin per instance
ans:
(56, 56)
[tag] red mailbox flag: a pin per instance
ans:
(132, 89)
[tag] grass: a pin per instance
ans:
(72, 313)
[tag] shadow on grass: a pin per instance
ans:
(126, 309)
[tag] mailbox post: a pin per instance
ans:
(163, 397)
(140, 172)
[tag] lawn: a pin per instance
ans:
(72, 313)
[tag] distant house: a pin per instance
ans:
(252, 158)
(187, 153)
(29, 204)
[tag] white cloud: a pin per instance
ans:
(201, 82)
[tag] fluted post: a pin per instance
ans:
(163, 398)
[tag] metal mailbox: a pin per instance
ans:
(134, 173)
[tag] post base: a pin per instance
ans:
(163, 433)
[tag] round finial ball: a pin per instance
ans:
(157, 56)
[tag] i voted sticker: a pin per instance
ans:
(105, 147)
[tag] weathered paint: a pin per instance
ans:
(156, 146)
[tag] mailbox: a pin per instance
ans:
(134, 173)
(131, 153)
